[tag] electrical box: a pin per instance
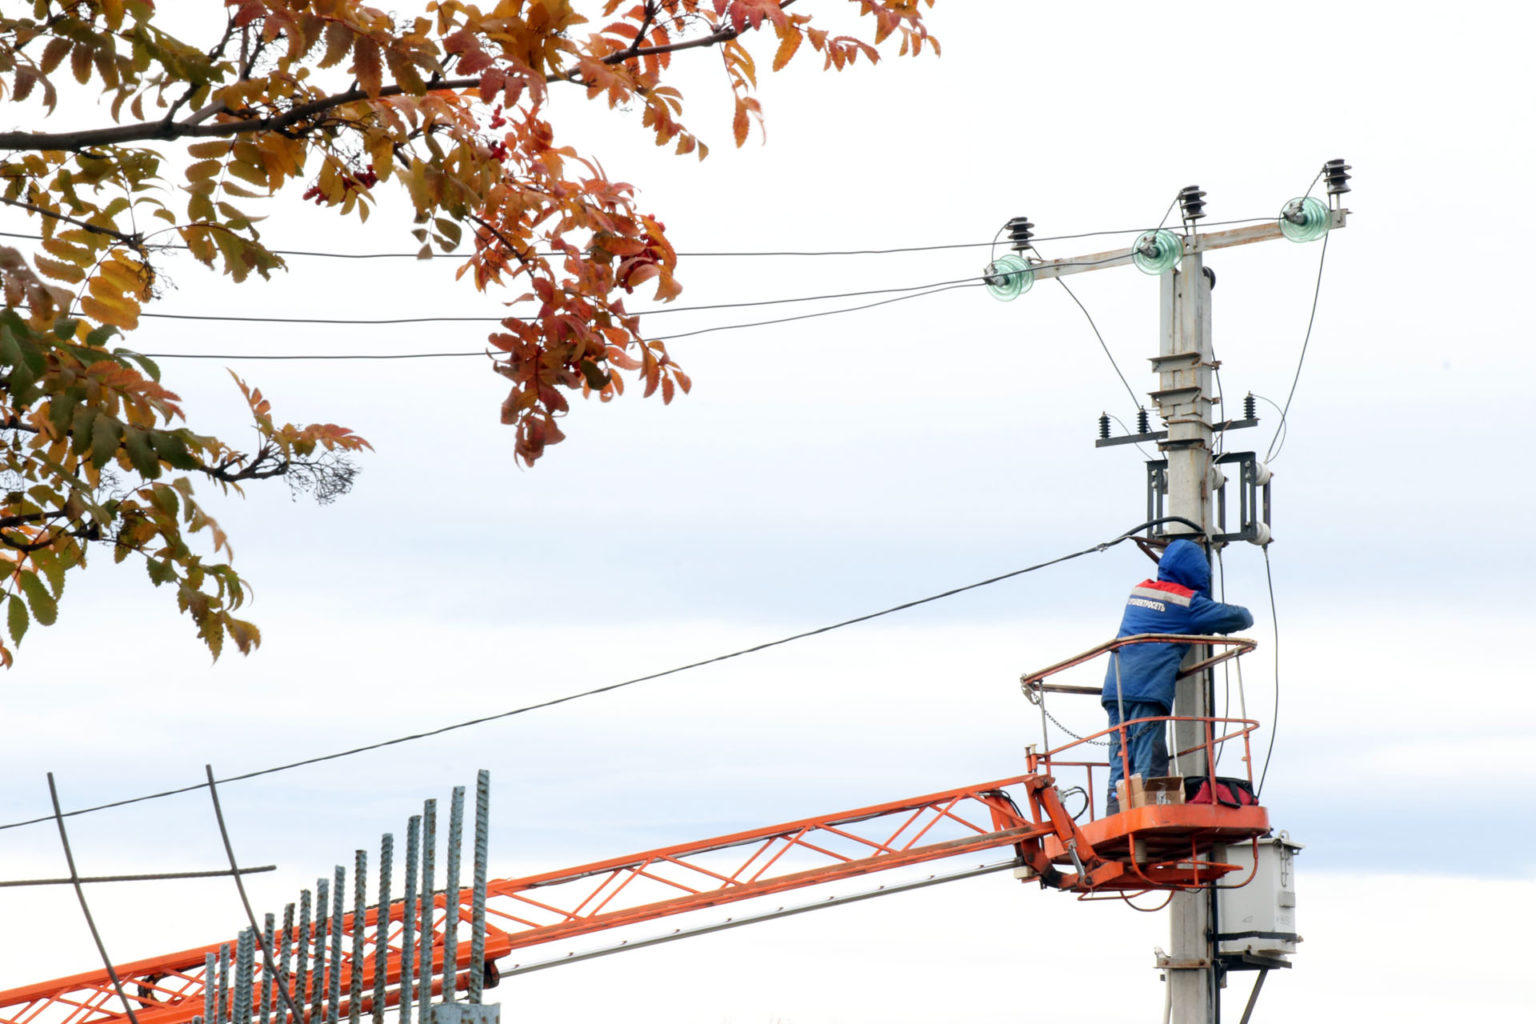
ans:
(1257, 921)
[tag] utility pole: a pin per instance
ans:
(1185, 398)
(1186, 481)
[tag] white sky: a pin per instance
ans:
(834, 466)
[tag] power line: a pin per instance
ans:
(384, 321)
(610, 687)
(1109, 355)
(931, 290)
(331, 254)
(361, 322)
(1317, 289)
(1274, 717)
(460, 355)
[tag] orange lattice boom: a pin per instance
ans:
(1159, 847)
(1102, 856)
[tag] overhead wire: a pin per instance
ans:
(607, 688)
(934, 290)
(487, 352)
(1272, 451)
(892, 250)
(1102, 344)
(493, 318)
(1274, 718)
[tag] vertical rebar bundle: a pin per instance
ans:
(359, 905)
(381, 926)
(477, 899)
(293, 973)
(333, 988)
(408, 915)
(428, 896)
(451, 891)
(317, 971)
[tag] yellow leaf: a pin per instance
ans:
(203, 169)
(117, 310)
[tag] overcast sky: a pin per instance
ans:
(833, 466)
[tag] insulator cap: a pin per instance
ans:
(1191, 203)
(1020, 230)
(1157, 251)
(1104, 426)
(1336, 174)
(1008, 277)
(1304, 219)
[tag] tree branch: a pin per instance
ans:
(132, 240)
(191, 128)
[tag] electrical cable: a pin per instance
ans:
(1274, 718)
(1126, 428)
(1226, 666)
(1109, 355)
(324, 254)
(610, 687)
(492, 318)
(1284, 430)
(1272, 451)
(484, 352)
(965, 283)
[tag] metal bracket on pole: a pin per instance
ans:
(1253, 498)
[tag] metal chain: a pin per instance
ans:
(1069, 732)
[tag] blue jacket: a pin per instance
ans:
(1178, 601)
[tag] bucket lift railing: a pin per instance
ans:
(1216, 731)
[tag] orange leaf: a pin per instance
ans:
(787, 47)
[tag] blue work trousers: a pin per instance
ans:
(1147, 749)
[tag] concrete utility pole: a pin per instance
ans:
(1185, 398)
(1186, 402)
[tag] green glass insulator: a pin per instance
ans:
(1157, 252)
(1305, 219)
(1008, 277)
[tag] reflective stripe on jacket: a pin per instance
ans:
(1178, 601)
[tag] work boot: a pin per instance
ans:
(1112, 806)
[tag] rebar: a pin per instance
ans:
(90, 922)
(408, 915)
(424, 951)
(333, 994)
(240, 1012)
(301, 954)
(285, 980)
(210, 987)
(359, 906)
(477, 898)
(323, 924)
(451, 892)
(268, 965)
(221, 997)
(381, 926)
(269, 971)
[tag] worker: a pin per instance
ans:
(1140, 678)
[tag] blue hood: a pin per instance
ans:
(1184, 563)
